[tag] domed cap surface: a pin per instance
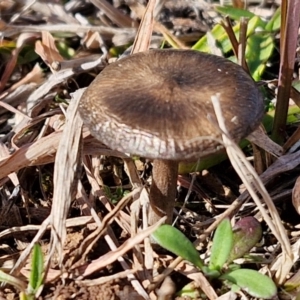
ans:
(155, 104)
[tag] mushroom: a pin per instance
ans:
(155, 104)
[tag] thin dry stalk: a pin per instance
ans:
(88, 243)
(112, 256)
(139, 10)
(10, 30)
(66, 175)
(143, 37)
(114, 14)
(74, 222)
(250, 179)
(23, 257)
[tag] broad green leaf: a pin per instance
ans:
(274, 23)
(233, 12)
(253, 282)
(221, 37)
(37, 268)
(260, 46)
(176, 242)
(246, 233)
(218, 33)
(222, 245)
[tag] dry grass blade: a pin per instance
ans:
(40, 152)
(251, 180)
(74, 222)
(112, 256)
(140, 10)
(87, 245)
(261, 139)
(114, 14)
(68, 69)
(66, 173)
(74, 28)
(14, 110)
(283, 164)
(104, 226)
(43, 151)
(104, 279)
(22, 259)
(293, 140)
(143, 37)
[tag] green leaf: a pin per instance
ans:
(221, 37)
(65, 50)
(275, 22)
(190, 290)
(222, 245)
(176, 242)
(260, 46)
(253, 282)
(234, 13)
(37, 269)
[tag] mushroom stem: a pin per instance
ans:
(163, 190)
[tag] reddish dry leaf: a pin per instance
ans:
(296, 195)
(47, 50)
(92, 40)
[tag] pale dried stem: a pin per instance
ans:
(250, 179)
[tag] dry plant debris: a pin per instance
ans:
(87, 204)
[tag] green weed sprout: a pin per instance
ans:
(35, 280)
(228, 244)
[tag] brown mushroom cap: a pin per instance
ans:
(155, 104)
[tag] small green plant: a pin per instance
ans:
(228, 244)
(116, 196)
(35, 280)
(260, 38)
